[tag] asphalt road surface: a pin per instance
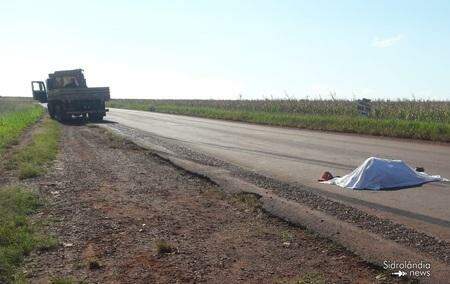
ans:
(300, 156)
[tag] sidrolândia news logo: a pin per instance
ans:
(414, 269)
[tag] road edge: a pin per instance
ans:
(370, 247)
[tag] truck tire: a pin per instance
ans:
(65, 117)
(60, 113)
(95, 117)
(57, 111)
(51, 110)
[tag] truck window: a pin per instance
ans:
(37, 86)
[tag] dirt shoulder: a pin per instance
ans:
(123, 215)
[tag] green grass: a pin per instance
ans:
(163, 247)
(18, 237)
(62, 281)
(15, 116)
(426, 126)
(30, 161)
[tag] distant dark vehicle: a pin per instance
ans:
(68, 96)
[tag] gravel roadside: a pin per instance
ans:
(123, 215)
(388, 229)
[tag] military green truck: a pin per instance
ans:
(67, 95)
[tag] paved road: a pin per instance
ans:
(301, 156)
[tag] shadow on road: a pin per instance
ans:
(82, 121)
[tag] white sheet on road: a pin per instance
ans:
(376, 173)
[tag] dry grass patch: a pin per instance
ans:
(163, 247)
(250, 200)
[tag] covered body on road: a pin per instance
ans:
(376, 173)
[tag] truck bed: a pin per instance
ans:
(79, 94)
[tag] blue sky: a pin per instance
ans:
(220, 49)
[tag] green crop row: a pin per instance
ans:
(413, 110)
(424, 120)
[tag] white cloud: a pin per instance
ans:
(388, 41)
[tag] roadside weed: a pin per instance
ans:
(31, 159)
(18, 237)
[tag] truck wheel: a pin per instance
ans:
(51, 110)
(65, 117)
(60, 114)
(95, 117)
(57, 111)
